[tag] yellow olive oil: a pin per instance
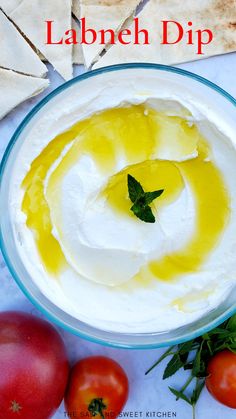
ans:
(140, 136)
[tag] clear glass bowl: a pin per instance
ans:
(196, 85)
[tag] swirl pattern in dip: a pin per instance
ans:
(84, 246)
(79, 182)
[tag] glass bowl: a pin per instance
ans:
(196, 85)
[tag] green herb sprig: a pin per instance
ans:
(194, 356)
(141, 200)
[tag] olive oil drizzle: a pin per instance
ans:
(212, 214)
(36, 208)
(138, 134)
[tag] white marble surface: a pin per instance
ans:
(147, 394)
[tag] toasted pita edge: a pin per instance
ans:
(119, 15)
(22, 19)
(33, 66)
(16, 88)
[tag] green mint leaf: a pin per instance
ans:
(186, 347)
(179, 359)
(231, 324)
(173, 366)
(167, 353)
(141, 200)
(134, 188)
(216, 331)
(180, 395)
(197, 362)
(231, 343)
(150, 196)
(183, 357)
(199, 350)
(197, 391)
(200, 362)
(210, 347)
(188, 366)
(143, 213)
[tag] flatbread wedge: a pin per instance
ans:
(217, 15)
(9, 5)
(30, 17)
(78, 57)
(16, 88)
(75, 8)
(104, 14)
(16, 54)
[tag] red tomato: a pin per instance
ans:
(97, 385)
(33, 367)
(221, 381)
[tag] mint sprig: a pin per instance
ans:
(141, 200)
(194, 356)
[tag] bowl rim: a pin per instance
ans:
(32, 298)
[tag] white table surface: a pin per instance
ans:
(149, 396)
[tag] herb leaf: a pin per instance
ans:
(197, 391)
(135, 188)
(193, 356)
(167, 353)
(141, 200)
(150, 196)
(180, 395)
(144, 214)
(173, 366)
(197, 363)
(231, 325)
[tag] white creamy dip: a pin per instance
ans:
(105, 250)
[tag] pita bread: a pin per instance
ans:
(217, 15)
(16, 88)
(78, 57)
(104, 14)
(30, 17)
(26, 60)
(9, 5)
(75, 8)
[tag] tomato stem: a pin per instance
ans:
(15, 407)
(96, 407)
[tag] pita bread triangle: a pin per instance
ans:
(103, 14)
(216, 15)
(75, 7)
(78, 57)
(30, 17)
(25, 60)
(9, 5)
(16, 88)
